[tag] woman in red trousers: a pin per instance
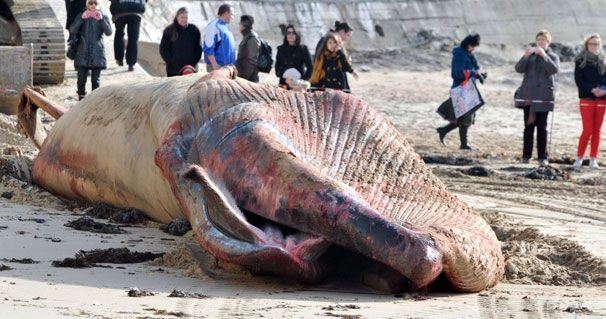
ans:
(589, 73)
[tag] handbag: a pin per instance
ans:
(466, 98)
(72, 47)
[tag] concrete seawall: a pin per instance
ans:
(387, 25)
(396, 24)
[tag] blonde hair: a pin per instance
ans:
(590, 37)
(544, 33)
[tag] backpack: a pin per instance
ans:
(264, 60)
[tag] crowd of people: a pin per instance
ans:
(183, 45)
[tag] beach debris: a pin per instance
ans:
(182, 294)
(21, 261)
(177, 227)
(448, 160)
(90, 258)
(547, 173)
(88, 224)
(117, 215)
(478, 171)
(136, 292)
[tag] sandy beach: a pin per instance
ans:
(551, 221)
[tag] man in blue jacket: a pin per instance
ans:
(219, 44)
(127, 12)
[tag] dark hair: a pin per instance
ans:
(470, 40)
(247, 20)
(224, 8)
(344, 26)
(174, 35)
(297, 36)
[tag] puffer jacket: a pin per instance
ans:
(90, 52)
(538, 86)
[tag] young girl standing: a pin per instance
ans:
(331, 64)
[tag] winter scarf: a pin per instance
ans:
(319, 73)
(588, 58)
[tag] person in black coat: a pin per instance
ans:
(344, 31)
(90, 53)
(331, 64)
(180, 45)
(127, 13)
(292, 54)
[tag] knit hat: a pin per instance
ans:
(188, 69)
(292, 73)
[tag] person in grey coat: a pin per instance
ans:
(89, 27)
(536, 96)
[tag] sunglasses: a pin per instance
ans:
(93, 2)
(291, 32)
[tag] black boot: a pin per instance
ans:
(463, 136)
(442, 131)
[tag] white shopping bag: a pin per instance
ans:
(465, 98)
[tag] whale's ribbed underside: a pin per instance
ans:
(348, 140)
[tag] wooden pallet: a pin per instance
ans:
(40, 27)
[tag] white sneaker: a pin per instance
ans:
(578, 163)
(593, 163)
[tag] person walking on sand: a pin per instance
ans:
(90, 53)
(248, 50)
(589, 76)
(536, 96)
(180, 46)
(293, 55)
(127, 13)
(219, 43)
(464, 66)
(331, 64)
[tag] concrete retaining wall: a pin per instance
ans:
(498, 21)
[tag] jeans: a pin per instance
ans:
(95, 78)
(540, 122)
(134, 23)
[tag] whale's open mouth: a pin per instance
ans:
(334, 262)
(307, 255)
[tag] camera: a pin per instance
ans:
(482, 77)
